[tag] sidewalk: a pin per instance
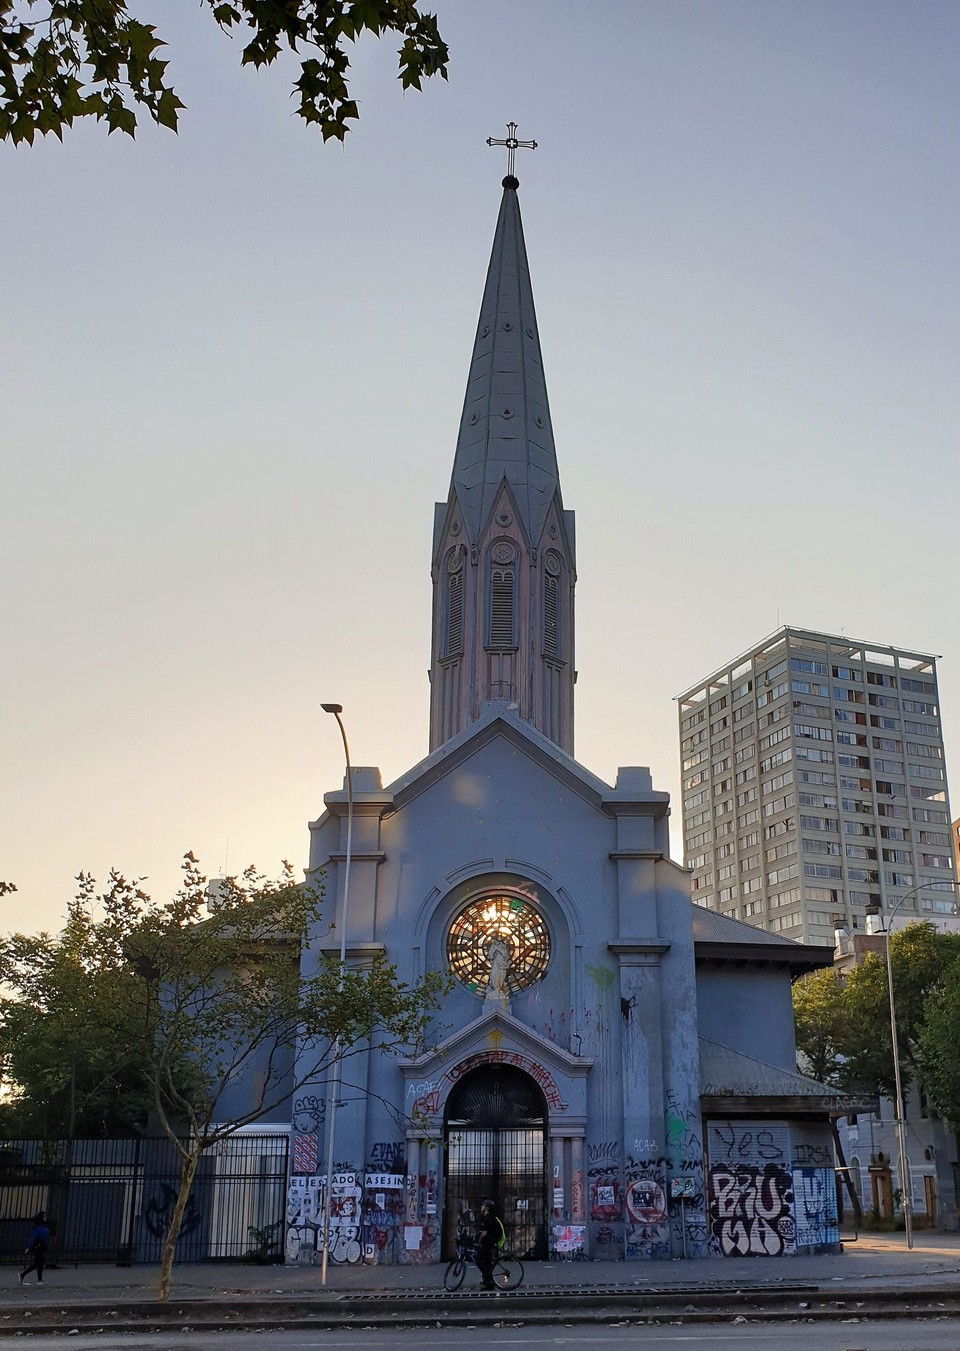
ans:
(875, 1262)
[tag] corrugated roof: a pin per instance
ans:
(725, 1073)
(709, 927)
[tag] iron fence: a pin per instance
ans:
(111, 1200)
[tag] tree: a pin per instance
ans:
(919, 957)
(820, 1021)
(209, 1002)
(92, 58)
(64, 1049)
(938, 1047)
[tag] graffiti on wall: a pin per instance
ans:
(815, 1207)
(603, 1177)
(426, 1096)
(645, 1208)
(751, 1210)
(309, 1112)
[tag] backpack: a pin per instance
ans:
(502, 1240)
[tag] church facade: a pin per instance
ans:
(614, 1067)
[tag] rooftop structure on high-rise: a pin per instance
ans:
(814, 785)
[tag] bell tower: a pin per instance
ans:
(504, 547)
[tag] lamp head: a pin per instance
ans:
(332, 708)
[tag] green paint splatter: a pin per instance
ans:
(601, 975)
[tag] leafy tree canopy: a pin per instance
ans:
(199, 1011)
(65, 59)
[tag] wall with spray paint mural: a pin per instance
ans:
(771, 1190)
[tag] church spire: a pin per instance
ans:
(503, 564)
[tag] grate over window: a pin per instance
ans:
(551, 616)
(502, 591)
(454, 643)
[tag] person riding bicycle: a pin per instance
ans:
(491, 1237)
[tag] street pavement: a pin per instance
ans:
(876, 1277)
(876, 1260)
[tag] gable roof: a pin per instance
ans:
(728, 1074)
(719, 938)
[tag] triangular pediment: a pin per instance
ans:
(495, 1038)
(499, 720)
(491, 1032)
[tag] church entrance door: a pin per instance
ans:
(495, 1146)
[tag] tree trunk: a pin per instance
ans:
(187, 1169)
(845, 1175)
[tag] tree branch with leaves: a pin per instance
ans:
(61, 60)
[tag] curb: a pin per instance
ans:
(514, 1309)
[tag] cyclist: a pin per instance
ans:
(491, 1237)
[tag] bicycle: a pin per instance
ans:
(507, 1269)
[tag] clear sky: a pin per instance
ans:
(234, 361)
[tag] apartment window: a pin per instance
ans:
(885, 743)
(847, 673)
(861, 851)
(889, 724)
(819, 733)
(881, 678)
(923, 750)
(849, 715)
(847, 696)
(935, 860)
(919, 706)
(894, 833)
(850, 738)
(811, 667)
(812, 846)
(778, 828)
(822, 870)
(927, 814)
(783, 874)
(882, 701)
(897, 856)
(815, 754)
(819, 823)
(809, 687)
(863, 828)
(815, 776)
(917, 686)
(853, 761)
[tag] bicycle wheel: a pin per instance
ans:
(454, 1274)
(508, 1272)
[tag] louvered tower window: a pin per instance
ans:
(502, 591)
(551, 617)
(453, 644)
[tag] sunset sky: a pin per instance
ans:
(234, 361)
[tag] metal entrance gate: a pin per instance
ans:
(496, 1147)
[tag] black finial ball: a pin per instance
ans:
(511, 182)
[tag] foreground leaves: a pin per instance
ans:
(66, 59)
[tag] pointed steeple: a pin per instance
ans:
(505, 431)
(504, 565)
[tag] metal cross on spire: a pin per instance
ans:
(513, 145)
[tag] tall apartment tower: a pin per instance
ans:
(814, 786)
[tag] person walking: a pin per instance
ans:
(36, 1250)
(490, 1239)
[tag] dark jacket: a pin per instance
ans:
(39, 1238)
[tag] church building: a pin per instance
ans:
(615, 1067)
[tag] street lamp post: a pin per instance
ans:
(336, 710)
(874, 912)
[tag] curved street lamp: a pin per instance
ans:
(875, 911)
(336, 710)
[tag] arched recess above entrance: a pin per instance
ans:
(495, 1145)
(553, 990)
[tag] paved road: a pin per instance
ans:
(897, 1335)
